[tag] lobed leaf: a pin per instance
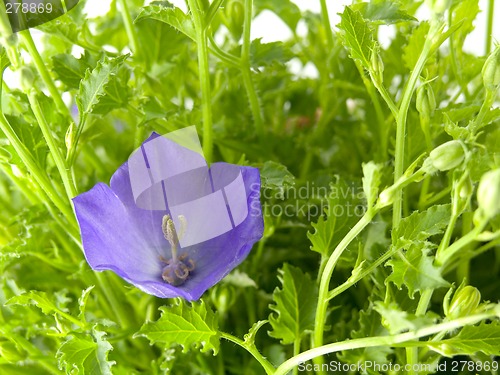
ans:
(295, 305)
(173, 16)
(186, 325)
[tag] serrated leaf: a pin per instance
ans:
(70, 70)
(36, 298)
(117, 93)
(484, 338)
(262, 54)
(82, 302)
(93, 87)
(250, 336)
(397, 320)
(416, 270)
(295, 305)
(421, 225)
(173, 16)
(329, 230)
(413, 49)
(186, 325)
(371, 182)
(87, 354)
(357, 35)
(383, 12)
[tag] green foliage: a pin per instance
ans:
(294, 305)
(86, 354)
(357, 36)
(185, 325)
(484, 338)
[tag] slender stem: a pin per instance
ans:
(39, 176)
(44, 73)
(325, 18)
(120, 312)
(327, 274)
(463, 268)
(401, 123)
(247, 72)
(268, 367)
(386, 96)
(370, 88)
(129, 27)
(204, 74)
(405, 339)
(53, 147)
(489, 26)
(489, 99)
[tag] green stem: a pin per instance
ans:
(403, 339)
(268, 367)
(325, 18)
(327, 274)
(116, 305)
(386, 96)
(246, 70)
(44, 73)
(401, 118)
(296, 352)
(204, 74)
(53, 147)
(489, 26)
(489, 99)
(463, 268)
(129, 27)
(444, 256)
(39, 176)
(370, 88)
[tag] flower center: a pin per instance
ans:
(177, 268)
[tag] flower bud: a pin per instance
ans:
(447, 156)
(488, 193)
(377, 65)
(491, 70)
(235, 17)
(426, 101)
(70, 136)
(464, 302)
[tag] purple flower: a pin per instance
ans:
(168, 224)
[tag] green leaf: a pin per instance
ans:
(465, 11)
(340, 218)
(371, 182)
(70, 70)
(383, 12)
(295, 306)
(185, 325)
(413, 49)
(415, 269)
(93, 86)
(263, 54)
(82, 302)
(357, 35)
(87, 354)
(276, 176)
(36, 298)
(484, 338)
(397, 320)
(4, 60)
(421, 225)
(173, 16)
(117, 93)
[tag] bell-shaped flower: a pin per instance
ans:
(168, 223)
